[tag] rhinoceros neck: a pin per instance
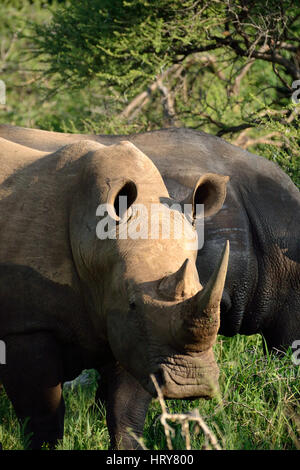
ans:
(34, 196)
(35, 254)
(48, 141)
(272, 204)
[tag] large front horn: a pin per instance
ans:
(196, 326)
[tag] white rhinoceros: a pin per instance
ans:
(73, 298)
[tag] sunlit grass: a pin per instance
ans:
(259, 407)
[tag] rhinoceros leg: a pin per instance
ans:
(126, 404)
(32, 380)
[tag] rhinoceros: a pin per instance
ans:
(132, 308)
(260, 218)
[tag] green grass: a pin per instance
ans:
(259, 407)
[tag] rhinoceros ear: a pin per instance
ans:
(120, 197)
(210, 190)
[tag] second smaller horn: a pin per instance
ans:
(181, 284)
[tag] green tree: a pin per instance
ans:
(226, 67)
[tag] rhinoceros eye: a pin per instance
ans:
(132, 306)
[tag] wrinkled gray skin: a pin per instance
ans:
(260, 218)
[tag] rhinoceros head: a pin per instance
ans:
(142, 286)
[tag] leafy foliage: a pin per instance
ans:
(127, 66)
(127, 41)
(224, 67)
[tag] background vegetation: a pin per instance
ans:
(225, 67)
(258, 408)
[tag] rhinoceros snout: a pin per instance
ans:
(188, 379)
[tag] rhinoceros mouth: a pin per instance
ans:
(188, 380)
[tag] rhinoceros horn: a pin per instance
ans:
(181, 284)
(196, 325)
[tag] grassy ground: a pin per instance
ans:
(259, 407)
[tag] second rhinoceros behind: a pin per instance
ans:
(72, 299)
